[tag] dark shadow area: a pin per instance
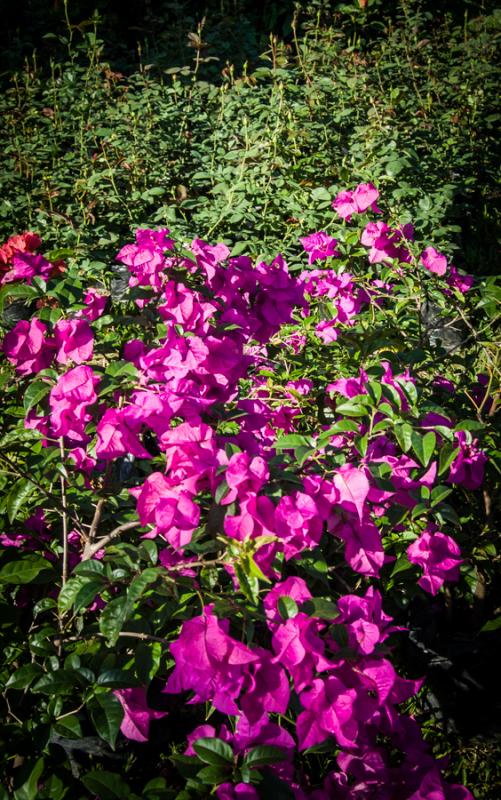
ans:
(156, 30)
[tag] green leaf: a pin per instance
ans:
(409, 390)
(423, 446)
(403, 435)
(392, 394)
(263, 755)
(382, 425)
(320, 607)
(121, 369)
(291, 441)
(321, 193)
(287, 607)
(86, 595)
(492, 625)
(213, 775)
(69, 592)
(90, 568)
(419, 510)
(221, 492)
(447, 455)
(402, 564)
(106, 785)
(156, 784)
(17, 435)
(62, 681)
(249, 585)
(35, 392)
(446, 513)
(113, 617)
(303, 453)
(469, 425)
(116, 679)
(20, 492)
(141, 582)
(107, 714)
(69, 727)
(352, 410)
(387, 410)
(148, 656)
(28, 789)
(52, 788)
(213, 751)
(17, 291)
(24, 570)
(23, 676)
(375, 391)
(438, 494)
(343, 426)
(148, 551)
(250, 566)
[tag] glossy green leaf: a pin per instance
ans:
(26, 784)
(263, 755)
(24, 570)
(106, 785)
(22, 491)
(62, 681)
(320, 607)
(24, 676)
(113, 617)
(447, 455)
(403, 433)
(35, 392)
(423, 446)
(213, 751)
(287, 607)
(213, 776)
(106, 714)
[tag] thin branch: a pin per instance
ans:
(146, 637)
(216, 562)
(9, 710)
(92, 548)
(96, 519)
(69, 713)
(65, 516)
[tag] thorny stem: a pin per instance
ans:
(89, 538)
(65, 516)
(143, 636)
(216, 562)
(146, 637)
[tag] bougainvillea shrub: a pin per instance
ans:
(222, 489)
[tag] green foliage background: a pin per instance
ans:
(407, 100)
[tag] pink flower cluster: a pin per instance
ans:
(358, 201)
(218, 330)
(20, 262)
(338, 295)
(348, 694)
(384, 243)
(319, 246)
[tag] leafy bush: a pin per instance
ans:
(230, 486)
(250, 154)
